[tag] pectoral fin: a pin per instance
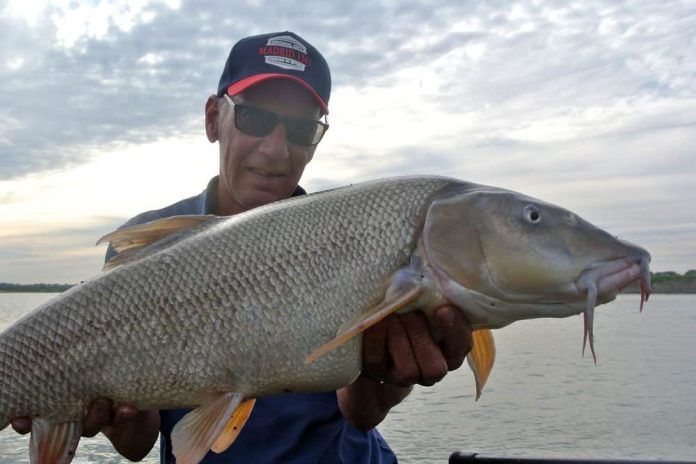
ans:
(53, 442)
(481, 357)
(194, 435)
(366, 320)
(234, 426)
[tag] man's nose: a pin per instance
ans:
(275, 143)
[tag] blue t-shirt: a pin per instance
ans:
(290, 428)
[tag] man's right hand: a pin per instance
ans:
(132, 432)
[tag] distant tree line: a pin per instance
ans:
(34, 288)
(668, 282)
(670, 276)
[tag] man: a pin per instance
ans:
(267, 119)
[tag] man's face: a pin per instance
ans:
(259, 170)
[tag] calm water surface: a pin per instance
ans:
(542, 399)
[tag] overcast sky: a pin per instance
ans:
(590, 105)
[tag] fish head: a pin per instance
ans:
(533, 258)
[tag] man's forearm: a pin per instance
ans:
(365, 403)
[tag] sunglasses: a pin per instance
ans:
(258, 122)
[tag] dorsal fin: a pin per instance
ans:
(135, 242)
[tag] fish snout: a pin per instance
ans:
(607, 278)
(640, 258)
(602, 281)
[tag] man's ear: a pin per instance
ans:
(212, 113)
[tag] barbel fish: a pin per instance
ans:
(209, 312)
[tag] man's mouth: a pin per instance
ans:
(265, 174)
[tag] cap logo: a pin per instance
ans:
(285, 52)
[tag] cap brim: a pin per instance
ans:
(239, 86)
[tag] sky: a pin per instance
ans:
(590, 105)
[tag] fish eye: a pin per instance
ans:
(532, 214)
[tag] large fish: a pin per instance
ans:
(209, 312)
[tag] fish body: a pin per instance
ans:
(229, 308)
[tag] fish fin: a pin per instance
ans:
(234, 426)
(366, 320)
(134, 242)
(481, 357)
(195, 433)
(53, 442)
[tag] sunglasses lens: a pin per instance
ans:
(254, 121)
(259, 123)
(303, 131)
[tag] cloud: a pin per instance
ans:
(587, 104)
(144, 74)
(101, 92)
(66, 254)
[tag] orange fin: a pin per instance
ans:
(195, 433)
(366, 320)
(234, 426)
(53, 442)
(481, 358)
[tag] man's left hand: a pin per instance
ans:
(401, 350)
(398, 353)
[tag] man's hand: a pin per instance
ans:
(402, 351)
(398, 353)
(132, 432)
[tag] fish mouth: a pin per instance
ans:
(601, 283)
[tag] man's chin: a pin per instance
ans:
(262, 197)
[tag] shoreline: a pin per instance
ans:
(668, 286)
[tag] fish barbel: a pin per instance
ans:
(209, 312)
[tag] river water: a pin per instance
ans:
(543, 398)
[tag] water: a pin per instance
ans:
(542, 399)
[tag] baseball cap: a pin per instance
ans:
(278, 55)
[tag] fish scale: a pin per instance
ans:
(167, 310)
(240, 305)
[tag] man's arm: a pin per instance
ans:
(398, 353)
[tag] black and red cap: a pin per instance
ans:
(279, 55)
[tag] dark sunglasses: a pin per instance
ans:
(258, 122)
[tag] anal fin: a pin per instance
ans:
(53, 442)
(234, 426)
(194, 435)
(481, 358)
(366, 320)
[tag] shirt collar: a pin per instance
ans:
(208, 200)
